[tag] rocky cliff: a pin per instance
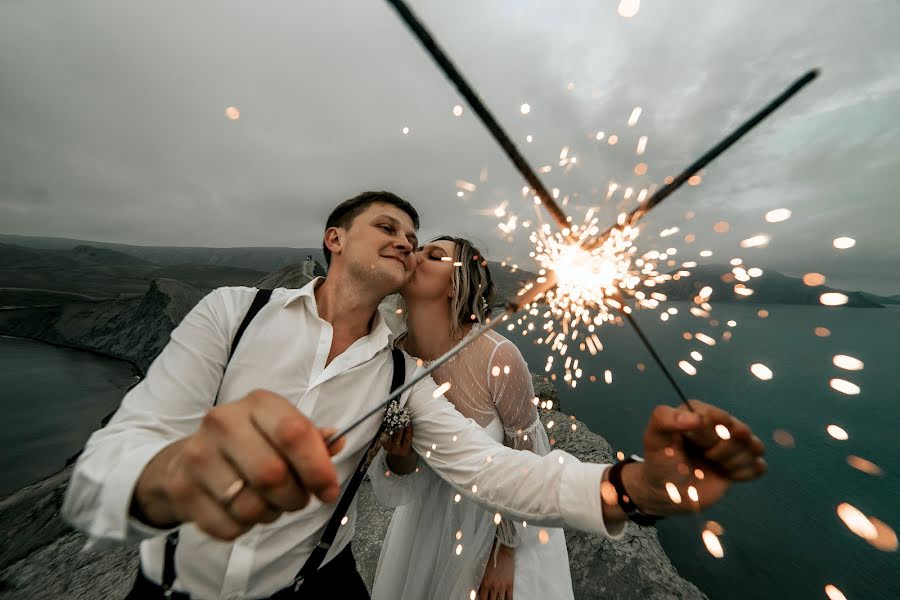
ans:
(40, 555)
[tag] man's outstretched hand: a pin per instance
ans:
(690, 460)
(249, 462)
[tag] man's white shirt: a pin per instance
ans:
(284, 351)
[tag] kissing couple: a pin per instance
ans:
(218, 462)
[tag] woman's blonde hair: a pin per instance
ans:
(473, 287)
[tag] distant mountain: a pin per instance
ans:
(99, 272)
(264, 259)
(202, 267)
(880, 299)
(105, 270)
(769, 288)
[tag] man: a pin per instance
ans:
(250, 481)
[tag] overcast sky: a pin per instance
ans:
(113, 125)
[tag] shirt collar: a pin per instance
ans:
(383, 332)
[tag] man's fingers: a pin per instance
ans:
(336, 446)
(665, 423)
(211, 517)
(301, 444)
(750, 472)
(407, 436)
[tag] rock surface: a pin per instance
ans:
(40, 555)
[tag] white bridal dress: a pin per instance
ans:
(439, 542)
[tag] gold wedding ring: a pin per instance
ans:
(233, 490)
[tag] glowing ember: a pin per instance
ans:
(885, 539)
(525, 108)
(715, 527)
(833, 299)
(673, 492)
(723, 432)
(856, 521)
(762, 313)
(635, 115)
(640, 169)
(813, 279)
(232, 113)
(705, 339)
(778, 215)
(629, 8)
(711, 541)
(833, 593)
(783, 438)
(695, 180)
(836, 432)
(642, 144)
(687, 367)
(756, 241)
(721, 226)
(761, 371)
(842, 243)
(864, 465)
(847, 362)
(845, 387)
(692, 493)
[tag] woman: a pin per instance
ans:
(440, 545)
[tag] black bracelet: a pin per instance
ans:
(628, 507)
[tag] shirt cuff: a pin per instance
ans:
(580, 501)
(114, 519)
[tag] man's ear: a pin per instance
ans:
(334, 238)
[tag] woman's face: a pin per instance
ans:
(432, 277)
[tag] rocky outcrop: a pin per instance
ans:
(41, 555)
(133, 329)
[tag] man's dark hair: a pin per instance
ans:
(346, 211)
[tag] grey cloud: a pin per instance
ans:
(117, 112)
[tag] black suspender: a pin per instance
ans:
(317, 556)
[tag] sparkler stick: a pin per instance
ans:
(453, 74)
(665, 191)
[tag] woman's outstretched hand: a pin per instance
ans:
(400, 456)
(690, 460)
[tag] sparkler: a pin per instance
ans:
(595, 270)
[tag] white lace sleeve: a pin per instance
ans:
(393, 490)
(509, 381)
(510, 384)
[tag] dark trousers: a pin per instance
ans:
(336, 579)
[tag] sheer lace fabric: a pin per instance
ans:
(437, 546)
